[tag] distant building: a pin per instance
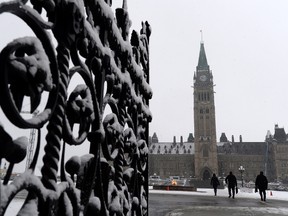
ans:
(201, 156)
(270, 156)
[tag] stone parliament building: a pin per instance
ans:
(201, 156)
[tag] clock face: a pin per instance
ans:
(203, 78)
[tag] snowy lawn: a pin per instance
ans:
(243, 192)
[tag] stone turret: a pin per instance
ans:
(155, 138)
(223, 138)
(280, 134)
(190, 138)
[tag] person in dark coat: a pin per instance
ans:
(232, 183)
(261, 184)
(215, 183)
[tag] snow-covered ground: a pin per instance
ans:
(243, 192)
(16, 204)
(219, 210)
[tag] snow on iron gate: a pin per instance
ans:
(108, 109)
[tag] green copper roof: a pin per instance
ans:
(202, 62)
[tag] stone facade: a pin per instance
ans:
(270, 156)
(166, 165)
(281, 161)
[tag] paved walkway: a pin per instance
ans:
(173, 203)
(228, 211)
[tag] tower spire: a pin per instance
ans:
(202, 61)
(201, 36)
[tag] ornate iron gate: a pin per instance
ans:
(111, 179)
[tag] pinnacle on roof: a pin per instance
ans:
(269, 134)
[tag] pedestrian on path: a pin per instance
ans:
(261, 184)
(215, 183)
(232, 183)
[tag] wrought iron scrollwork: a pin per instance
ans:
(112, 178)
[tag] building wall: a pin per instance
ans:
(281, 160)
(166, 165)
(271, 158)
(252, 164)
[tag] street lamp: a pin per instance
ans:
(241, 170)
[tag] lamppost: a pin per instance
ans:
(241, 170)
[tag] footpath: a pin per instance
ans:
(203, 202)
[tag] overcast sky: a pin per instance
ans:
(246, 44)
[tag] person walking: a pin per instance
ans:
(232, 183)
(215, 183)
(261, 184)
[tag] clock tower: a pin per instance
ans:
(205, 142)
